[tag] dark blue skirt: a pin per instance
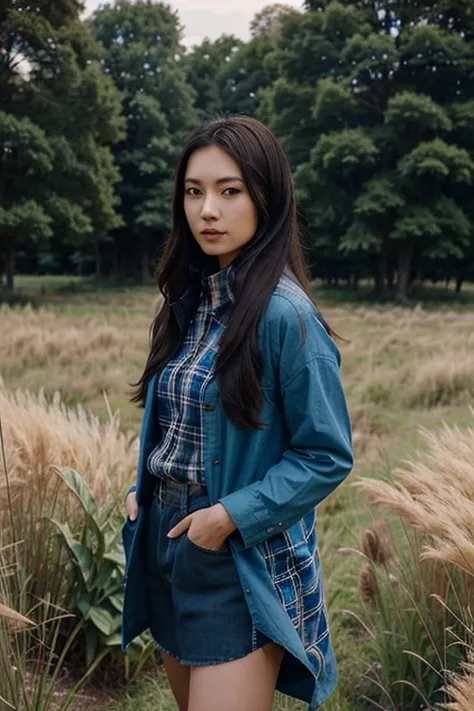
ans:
(197, 605)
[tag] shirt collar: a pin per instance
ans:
(217, 288)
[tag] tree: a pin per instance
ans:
(58, 113)
(143, 55)
(364, 105)
(206, 72)
(267, 21)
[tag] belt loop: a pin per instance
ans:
(184, 500)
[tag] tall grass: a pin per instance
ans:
(31, 667)
(419, 602)
(32, 655)
(40, 432)
(416, 606)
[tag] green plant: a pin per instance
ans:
(30, 667)
(97, 561)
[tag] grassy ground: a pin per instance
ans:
(404, 367)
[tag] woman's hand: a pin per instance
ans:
(207, 527)
(131, 507)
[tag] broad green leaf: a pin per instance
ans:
(103, 620)
(117, 600)
(114, 640)
(76, 483)
(80, 554)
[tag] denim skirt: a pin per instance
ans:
(198, 612)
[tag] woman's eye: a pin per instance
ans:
(194, 192)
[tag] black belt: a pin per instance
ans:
(164, 482)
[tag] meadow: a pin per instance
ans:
(400, 618)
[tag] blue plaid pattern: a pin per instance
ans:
(182, 384)
(291, 556)
(293, 563)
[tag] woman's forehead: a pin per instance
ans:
(211, 164)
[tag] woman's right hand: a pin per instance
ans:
(131, 506)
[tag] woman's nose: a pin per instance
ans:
(209, 208)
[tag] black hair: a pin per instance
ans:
(256, 269)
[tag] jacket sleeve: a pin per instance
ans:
(320, 453)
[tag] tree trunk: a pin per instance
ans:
(381, 272)
(405, 257)
(9, 268)
(459, 281)
(390, 278)
(98, 262)
(115, 268)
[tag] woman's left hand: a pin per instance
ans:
(207, 527)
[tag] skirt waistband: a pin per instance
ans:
(176, 492)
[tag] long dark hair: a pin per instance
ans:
(256, 270)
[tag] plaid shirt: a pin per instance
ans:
(291, 556)
(182, 384)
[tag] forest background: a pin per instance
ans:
(373, 102)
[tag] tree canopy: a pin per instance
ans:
(372, 101)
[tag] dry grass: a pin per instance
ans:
(401, 368)
(411, 358)
(79, 355)
(462, 690)
(435, 494)
(39, 433)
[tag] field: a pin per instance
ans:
(404, 368)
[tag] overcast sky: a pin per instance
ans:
(211, 18)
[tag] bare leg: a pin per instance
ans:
(246, 684)
(178, 677)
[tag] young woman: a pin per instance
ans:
(245, 431)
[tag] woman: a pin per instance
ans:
(245, 431)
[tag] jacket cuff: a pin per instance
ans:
(251, 517)
(129, 490)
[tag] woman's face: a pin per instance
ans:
(220, 212)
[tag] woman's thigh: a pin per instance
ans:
(178, 677)
(246, 684)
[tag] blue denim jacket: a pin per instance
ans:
(271, 482)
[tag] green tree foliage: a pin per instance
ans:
(207, 72)
(58, 114)
(373, 102)
(374, 106)
(144, 57)
(229, 75)
(267, 21)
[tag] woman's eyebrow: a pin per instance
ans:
(227, 179)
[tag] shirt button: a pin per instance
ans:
(247, 591)
(280, 523)
(269, 530)
(216, 462)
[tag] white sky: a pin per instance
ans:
(212, 18)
